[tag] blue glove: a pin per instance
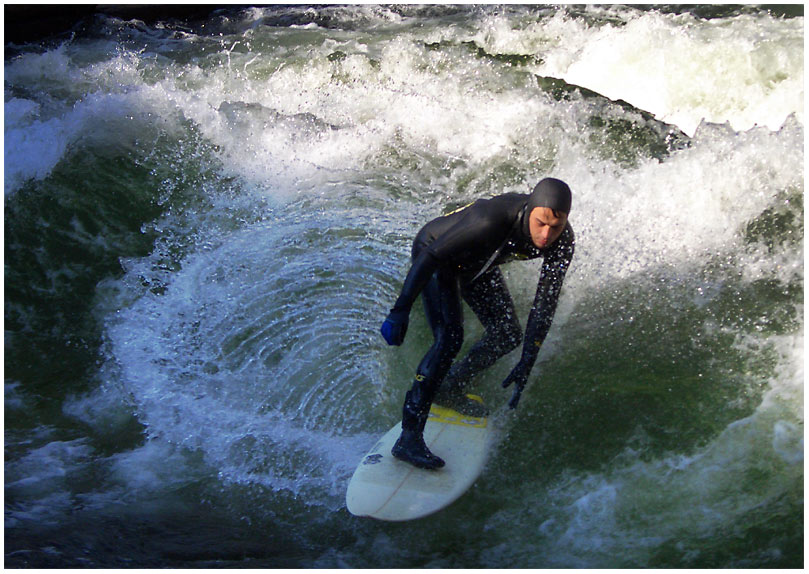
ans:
(394, 328)
(518, 376)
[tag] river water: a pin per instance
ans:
(207, 221)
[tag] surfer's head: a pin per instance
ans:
(551, 193)
(546, 211)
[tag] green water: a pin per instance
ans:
(206, 223)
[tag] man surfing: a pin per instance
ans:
(457, 256)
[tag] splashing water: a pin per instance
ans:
(206, 223)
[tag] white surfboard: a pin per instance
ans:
(386, 488)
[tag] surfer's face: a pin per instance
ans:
(546, 226)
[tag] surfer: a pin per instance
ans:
(457, 256)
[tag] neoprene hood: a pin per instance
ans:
(552, 193)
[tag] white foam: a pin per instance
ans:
(747, 70)
(106, 104)
(33, 151)
(43, 478)
(228, 361)
(251, 361)
(152, 467)
(694, 205)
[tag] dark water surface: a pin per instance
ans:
(207, 220)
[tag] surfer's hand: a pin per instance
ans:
(394, 328)
(519, 377)
(515, 397)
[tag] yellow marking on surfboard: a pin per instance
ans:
(448, 416)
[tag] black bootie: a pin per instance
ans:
(451, 394)
(457, 400)
(411, 447)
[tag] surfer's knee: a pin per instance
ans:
(448, 341)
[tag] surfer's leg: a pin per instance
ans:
(492, 304)
(442, 305)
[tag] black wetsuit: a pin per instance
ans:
(448, 255)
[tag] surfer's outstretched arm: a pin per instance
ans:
(540, 318)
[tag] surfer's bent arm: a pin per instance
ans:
(464, 240)
(468, 238)
(424, 265)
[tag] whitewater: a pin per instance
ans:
(206, 222)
